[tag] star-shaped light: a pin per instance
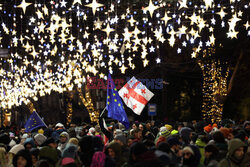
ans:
(145, 62)
(77, 1)
(131, 21)
(208, 3)
(151, 8)
(247, 25)
(39, 14)
(123, 69)
(108, 30)
(158, 60)
(45, 10)
(166, 18)
(63, 3)
(24, 5)
(183, 4)
(98, 24)
(94, 5)
(221, 13)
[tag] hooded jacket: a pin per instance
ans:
(231, 160)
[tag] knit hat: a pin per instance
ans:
(25, 136)
(64, 134)
(40, 139)
(164, 132)
(121, 137)
(215, 125)
(173, 132)
(66, 161)
(29, 141)
(208, 128)
(74, 141)
(41, 131)
(173, 141)
(161, 139)
(49, 141)
(188, 149)
(49, 153)
(169, 127)
(16, 148)
(91, 131)
(185, 132)
(12, 143)
(59, 125)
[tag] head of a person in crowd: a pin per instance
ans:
(50, 154)
(72, 125)
(22, 131)
(64, 137)
(174, 144)
(48, 132)
(34, 155)
(74, 141)
(148, 125)
(22, 159)
(149, 136)
(169, 127)
(208, 129)
(164, 132)
(236, 150)
(135, 125)
(211, 152)
(59, 126)
(5, 138)
(51, 142)
(141, 127)
(188, 154)
(180, 125)
(218, 137)
(165, 147)
(39, 139)
(70, 151)
(114, 150)
(138, 134)
(186, 134)
(136, 150)
(91, 131)
(117, 132)
(97, 143)
(29, 143)
(120, 139)
(16, 148)
(71, 131)
(246, 127)
(130, 140)
(227, 132)
(3, 157)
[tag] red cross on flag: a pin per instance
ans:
(135, 95)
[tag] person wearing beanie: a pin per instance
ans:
(50, 142)
(191, 156)
(211, 153)
(64, 138)
(29, 143)
(40, 131)
(39, 139)
(69, 155)
(235, 155)
(22, 159)
(208, 129)
(169, 127)
(186, 135)
(49, 154)
(175, 151)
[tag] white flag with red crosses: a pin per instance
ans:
(135, 95)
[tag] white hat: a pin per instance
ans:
(12, 143)
(59, 125)
(40, 138)
(188, 149)
(25, 136)
(15, 149)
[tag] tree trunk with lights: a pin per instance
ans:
(215, 85)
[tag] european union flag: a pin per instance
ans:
(34, 122)
(114, 104)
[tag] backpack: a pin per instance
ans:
(98, 159)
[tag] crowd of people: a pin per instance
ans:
(156, 144)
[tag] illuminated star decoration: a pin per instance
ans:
(24, 5)
(108, 30)
(94, 5)
(151, 8)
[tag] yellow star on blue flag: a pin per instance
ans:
(34, 122)
(114, 104)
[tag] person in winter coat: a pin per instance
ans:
(186, 136)
(235, 155)
(22, 159)
(114, 150)
(211, 153)
(191, 156)
(64, 138)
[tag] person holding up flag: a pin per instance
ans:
(34, 122)
(135, 95)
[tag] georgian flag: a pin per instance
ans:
(135, 95)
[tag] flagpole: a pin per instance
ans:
(41, 119)
(102, 112)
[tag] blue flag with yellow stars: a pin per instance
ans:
(34, 122)
(114, 104)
